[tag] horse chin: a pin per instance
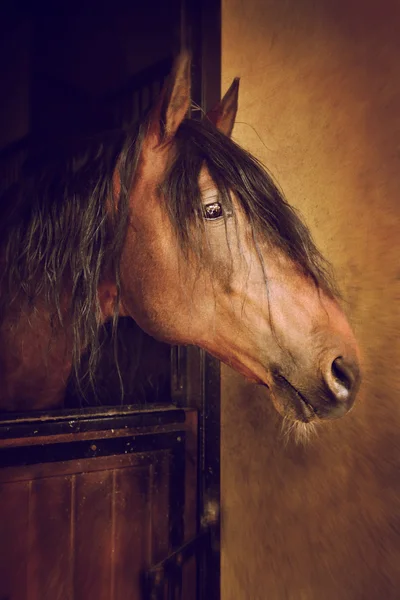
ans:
(294, 429)
(301, 433)
(291, 405)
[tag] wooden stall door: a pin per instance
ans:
(84, 515)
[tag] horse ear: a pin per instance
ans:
(223, 115)
(174, 102)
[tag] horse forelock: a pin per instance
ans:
(234, 170)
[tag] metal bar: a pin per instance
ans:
(48, 453)
(79, 421)
(168, 572)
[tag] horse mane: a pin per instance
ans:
(233, 169)
(62, 230)
(62, 227)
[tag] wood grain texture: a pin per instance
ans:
(83, 529)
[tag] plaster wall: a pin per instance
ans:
(320, 106)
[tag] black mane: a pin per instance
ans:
(234, 169)
(61, 234)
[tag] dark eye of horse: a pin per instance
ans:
(213, 211)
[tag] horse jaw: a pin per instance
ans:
(35, 363)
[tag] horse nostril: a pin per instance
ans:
(343, 373)
(343, 380)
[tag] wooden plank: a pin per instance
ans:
(92, 544)
(13, 540)
(159, 506)
(71, 467)
(131, 515)
(189, 579)
(191, 476)
(49, 572)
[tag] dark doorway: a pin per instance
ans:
(109, 497)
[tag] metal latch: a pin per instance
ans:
(166, 576)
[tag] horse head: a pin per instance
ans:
(171, 223)
(214, 256)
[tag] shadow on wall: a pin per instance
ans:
(321, 87)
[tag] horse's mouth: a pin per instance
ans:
(305, 412)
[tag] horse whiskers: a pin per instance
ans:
(298, 430)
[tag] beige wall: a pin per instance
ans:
(321, 87)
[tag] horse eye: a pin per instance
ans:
(213, 211)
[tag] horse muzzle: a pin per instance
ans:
(331, 397)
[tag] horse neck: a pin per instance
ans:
(35, 362)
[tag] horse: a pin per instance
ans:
(171, 223)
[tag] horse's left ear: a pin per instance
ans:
(174, 102)
(223, 115)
